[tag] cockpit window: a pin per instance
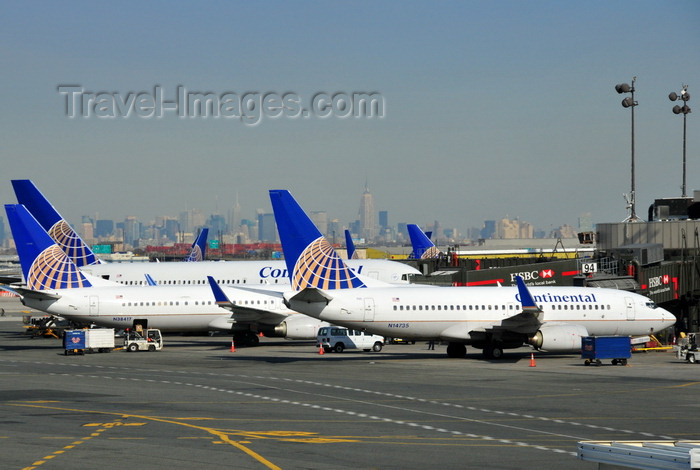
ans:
(652, 305)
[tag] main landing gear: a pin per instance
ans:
(246, 339)
(492, 351)
(458, 350)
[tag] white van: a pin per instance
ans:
(337, 339)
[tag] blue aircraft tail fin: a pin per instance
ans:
(44, 264)
(423, 248)
(526, 298)
(48, 217)
(199, 247)
(350, 246)
(311, 259)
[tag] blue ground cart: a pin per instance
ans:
(595, 348)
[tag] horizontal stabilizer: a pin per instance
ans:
(32, 294)
(10, 279)
(311, 295)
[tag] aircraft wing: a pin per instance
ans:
(529, 319)
(523, 322)
(242, 313)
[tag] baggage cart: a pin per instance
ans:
(91, 340)
(595, 348)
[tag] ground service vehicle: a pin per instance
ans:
(88, 339)
(595, 348)
(337, 339)
(143, 340)
(688, 348)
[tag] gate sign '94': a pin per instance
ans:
(589, 268)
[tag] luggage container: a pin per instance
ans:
(95, 339)
(595, 348)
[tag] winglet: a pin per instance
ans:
(526, 298)
(199, 247)
(48, 217)
(44, 264)
(219, 296)
(423, 248)
(350, 246)
(150, 281)
(311, 259)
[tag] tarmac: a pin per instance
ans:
(197, 404)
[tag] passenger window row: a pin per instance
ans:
(500, 307)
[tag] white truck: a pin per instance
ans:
(143, 340)
(337, 339)
(88, 339)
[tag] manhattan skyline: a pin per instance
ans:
(467, 111)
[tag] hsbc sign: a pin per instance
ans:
(533, 275)
(659, 281)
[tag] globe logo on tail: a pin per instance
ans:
(319, 266)
(71, 244)
(53, 270)
(195, 254)
(432, 252)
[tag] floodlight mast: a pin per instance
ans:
(629, 102)
(685, 109)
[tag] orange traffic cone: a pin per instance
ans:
(321, 351)
(532, 360)
(233, 347)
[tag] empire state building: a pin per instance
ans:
(368, 228)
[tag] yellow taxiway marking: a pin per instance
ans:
(222, 435)
(57, 453)
(684, 385)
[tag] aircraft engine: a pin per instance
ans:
(296, 326)
(563, 337)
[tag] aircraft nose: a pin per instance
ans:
(667, 317)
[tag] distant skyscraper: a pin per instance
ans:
(368, 228)
(216, 225)
(132, 231)
(584, 222)
(191, 220)
(383, 220)
(489, 229)
(267, 230)
(320, 220)
(234, 216)
(402, 230)
(172, 227)
(88, 231)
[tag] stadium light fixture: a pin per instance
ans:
(684, 110)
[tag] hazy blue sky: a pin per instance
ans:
(490, 108)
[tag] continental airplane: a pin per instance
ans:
(55, 285)
(74, 246)
(487, 318)
(423, 248)
(225, 272)
(199, 248)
